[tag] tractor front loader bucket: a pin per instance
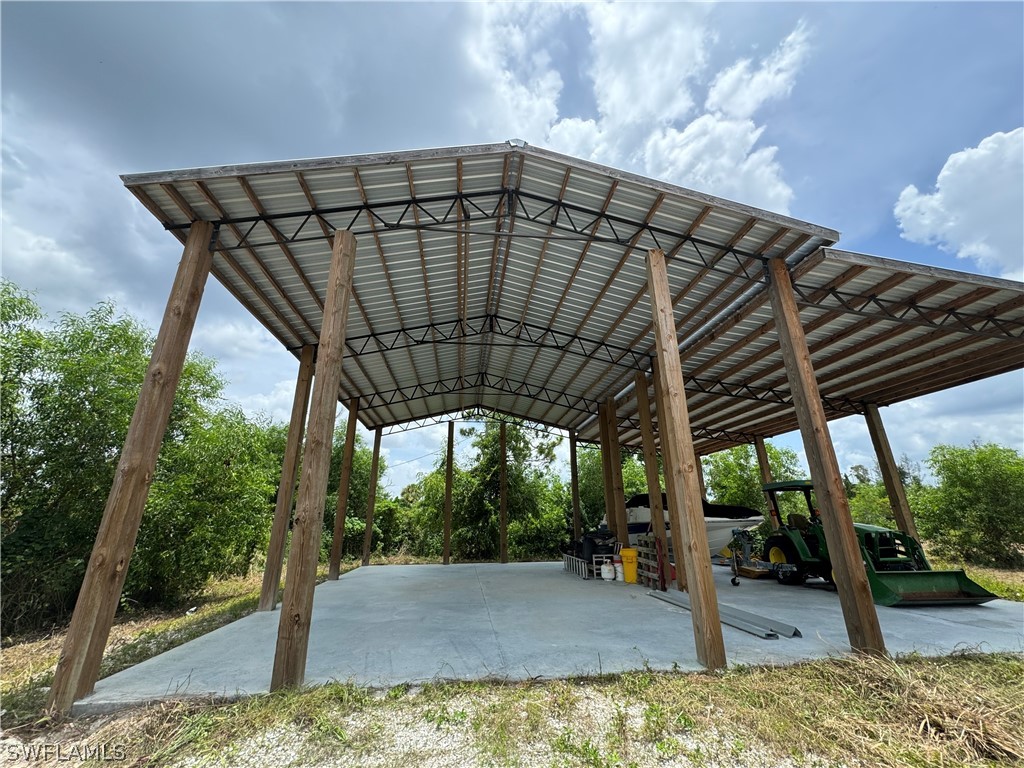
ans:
(908, 588)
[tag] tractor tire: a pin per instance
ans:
(779, 550)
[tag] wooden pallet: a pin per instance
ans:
(648, 572)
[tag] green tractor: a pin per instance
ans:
(897, 569)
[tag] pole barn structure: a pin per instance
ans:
(516, 281)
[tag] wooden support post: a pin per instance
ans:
(448, 471)
(672, 493)
(851, 580)
(675, 422)
(371, 499)
(79, 662)
(606, 471)
(766, 476)
(286, 488)
(618, 492)
(890, 472)
(700, 479)
(341, 510)
(503, 496)
(574, 482)
(297, 605)
(643, 403)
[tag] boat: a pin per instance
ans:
(719, 519)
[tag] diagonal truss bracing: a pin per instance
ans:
(461, 331)
(910, 312)
(461, 209)
(482, 380)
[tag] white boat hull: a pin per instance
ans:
(719, 529)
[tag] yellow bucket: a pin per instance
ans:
(629, 564)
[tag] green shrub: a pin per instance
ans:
(976, 513)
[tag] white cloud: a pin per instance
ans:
(645, 58)
(649, 62)
(42, 264)
(70, 230)
(239, 339)
(275, 405)
(718, 155)
(975, 210)
(577, 137)
(988, 411)
(717, 152)
(738, 92)
(518, 88)
(647, 66)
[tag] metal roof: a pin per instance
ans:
(512, 279)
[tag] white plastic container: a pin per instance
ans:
(620, 574)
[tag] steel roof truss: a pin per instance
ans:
(910, 312)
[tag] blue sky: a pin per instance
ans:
(900, 125)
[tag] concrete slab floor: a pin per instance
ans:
(386, 625)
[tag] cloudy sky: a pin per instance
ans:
(900, 125)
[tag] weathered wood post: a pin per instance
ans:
(851, 580)
(618, 492)
(371, 499)
(297, 605)
(503, 496)
(79, 662)
(766, 475)
(574, 482)
(448, 473)
(286, 488)
(672, 493)
(890, 472)
(606, 471)
(341, 510)
(675, 421)
(643, 404)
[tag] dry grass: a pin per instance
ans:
(28, 662)
(959, 710)
(956, 710)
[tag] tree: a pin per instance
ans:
(733, 476)
(591, 486)
(536, 521)
(358, 494)
(69, 394)
(869, 500)
(591, 482)
(977, 511)
(20, 353)
(209, 508)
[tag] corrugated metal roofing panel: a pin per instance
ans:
(550, 258)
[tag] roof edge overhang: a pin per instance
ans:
(513, 146)
(941, 273)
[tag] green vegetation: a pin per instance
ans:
(69, 393)
(974, 515)
(69, 390)
(733, 476)
(977, 511)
